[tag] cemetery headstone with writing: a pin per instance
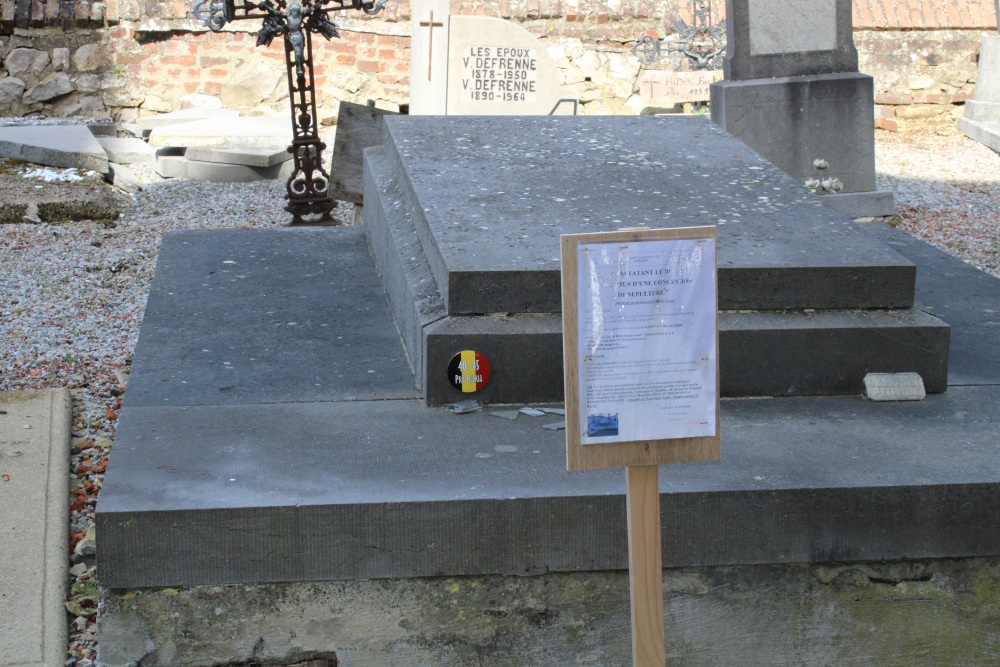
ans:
(794, 94)
(477, 65)
(663, 89)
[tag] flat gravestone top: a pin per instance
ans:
(495, 194)
(779, 38)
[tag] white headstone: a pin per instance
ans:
(495, 67)
(428, 56)
(792, 26)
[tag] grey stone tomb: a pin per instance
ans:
(793, 93)
(464, 215)
(276, 365)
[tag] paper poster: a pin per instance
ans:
(646, 340)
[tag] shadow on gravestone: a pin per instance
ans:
(793, 93)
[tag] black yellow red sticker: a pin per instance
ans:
(468, 371)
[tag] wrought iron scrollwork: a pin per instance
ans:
(701, 46)
(308, 187)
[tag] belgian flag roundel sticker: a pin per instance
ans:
(468, 371)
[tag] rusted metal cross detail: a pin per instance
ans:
(309, 199)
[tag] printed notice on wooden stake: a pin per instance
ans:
(644, 339)
(646, 354)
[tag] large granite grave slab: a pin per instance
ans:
(287, 481)
(469, 254)
(490, 197)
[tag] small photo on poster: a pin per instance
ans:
(602, 425)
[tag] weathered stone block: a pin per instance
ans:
(11, 90)
(88, 58)
(60, 59)
(56, 85)
(24, 60)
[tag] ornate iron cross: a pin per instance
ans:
(308, 187)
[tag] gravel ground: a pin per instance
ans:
(72, 295)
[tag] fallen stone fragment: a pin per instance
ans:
(506, 414)
(465, 407)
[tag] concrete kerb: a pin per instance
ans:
(34, 537)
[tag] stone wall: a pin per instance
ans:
(901, 614)
(128, 58)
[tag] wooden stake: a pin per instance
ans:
(642, 499)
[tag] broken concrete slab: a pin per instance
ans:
(54, 146)
(217, 172)
(126, 150)
(251, 157)
(171, 166)
(194, 114)
(124, 178)
(257, 132)
(88, 199)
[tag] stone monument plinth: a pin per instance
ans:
(982, 114)
(793, 93)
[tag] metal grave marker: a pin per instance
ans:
(308, 188)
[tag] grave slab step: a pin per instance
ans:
(489, 198)
(358, 490)
(285, 481)
(762, 353)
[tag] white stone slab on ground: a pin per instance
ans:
(251, 157)
(192, 115)
(54, 146)
(217, 172)
(34, 534)
(126, 150)
(256, 132)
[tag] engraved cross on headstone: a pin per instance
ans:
(430, 25)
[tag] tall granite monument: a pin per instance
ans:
(793, 93)
(982, 114)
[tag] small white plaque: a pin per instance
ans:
(894, 387)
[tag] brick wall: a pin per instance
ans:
(922, 53)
